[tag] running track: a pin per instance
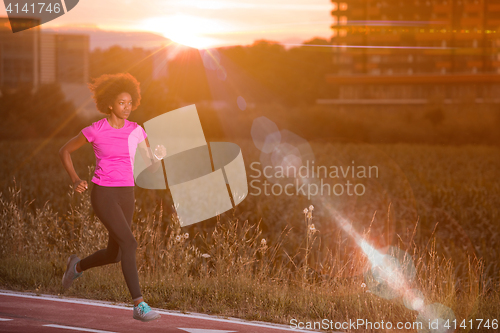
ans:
(31, 313)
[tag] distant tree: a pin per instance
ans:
(187, 80)
(156, 100)
(116, 59)
(259, 71)
(52, 114)
(39, 115)
(290, 77)
(311, 63)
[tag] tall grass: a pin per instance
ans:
(270, 260)
(231, 270)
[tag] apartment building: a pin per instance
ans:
(417, 49)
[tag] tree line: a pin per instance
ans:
(282, 84)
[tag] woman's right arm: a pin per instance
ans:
(65, 155)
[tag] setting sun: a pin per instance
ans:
(185, 29)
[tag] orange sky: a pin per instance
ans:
(206, 23)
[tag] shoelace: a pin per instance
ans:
(143, 307)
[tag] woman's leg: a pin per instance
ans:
(114, 206)
(111, 254)
(106, 256)
(127, 203)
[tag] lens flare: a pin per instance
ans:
(392, 274)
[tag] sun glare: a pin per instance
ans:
(185, 29)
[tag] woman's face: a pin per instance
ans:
(122, 105)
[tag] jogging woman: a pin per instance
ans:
(115, 141)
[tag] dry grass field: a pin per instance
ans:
(262, 260)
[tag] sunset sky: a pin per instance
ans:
(206, 23)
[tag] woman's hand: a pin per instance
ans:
(65, 155)
(160, 152)
(80, 185)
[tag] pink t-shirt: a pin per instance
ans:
(114, 150)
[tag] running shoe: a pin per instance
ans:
(70, 275)
(143, 312)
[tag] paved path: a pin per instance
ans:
(28, 313)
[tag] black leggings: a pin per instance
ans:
(114, 206)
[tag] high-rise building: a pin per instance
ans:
(419, 49)
(19, 55)
(30, 57)
(48, 58)
(416, 36)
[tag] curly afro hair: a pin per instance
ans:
(107, 87)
